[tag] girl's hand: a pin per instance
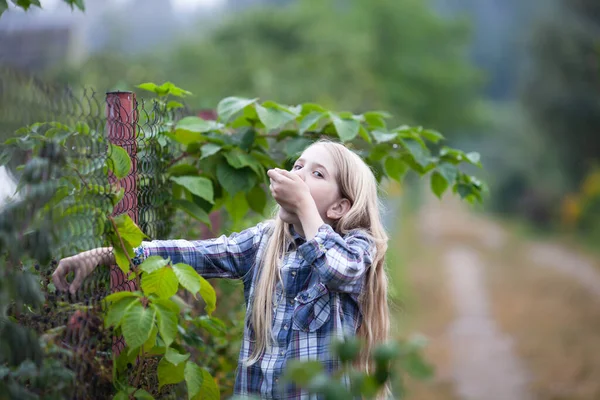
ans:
(82, 264)
(289, 190)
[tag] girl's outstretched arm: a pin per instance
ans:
(341, 262)
(223, 257)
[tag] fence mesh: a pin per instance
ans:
(37, 217)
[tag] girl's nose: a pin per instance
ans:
(300, 173)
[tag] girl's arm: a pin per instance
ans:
(222, 257)
(341, 262)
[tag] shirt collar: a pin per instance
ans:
(297, 240)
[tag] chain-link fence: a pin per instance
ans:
(66, 135)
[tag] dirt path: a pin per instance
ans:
(484, 363)
(567, 262)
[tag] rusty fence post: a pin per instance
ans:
(121, 125)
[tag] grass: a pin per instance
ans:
(554, 322)
(420, 305)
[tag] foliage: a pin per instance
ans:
(390, 361)
(54, 214)
(558, 92)
(356, 55)
(66, 205)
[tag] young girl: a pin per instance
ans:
(313, 275)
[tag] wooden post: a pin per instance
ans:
(121, 124)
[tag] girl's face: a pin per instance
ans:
(316, 167)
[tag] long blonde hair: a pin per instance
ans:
(357, 184)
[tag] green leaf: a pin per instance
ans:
(121, 396)
(114, 297)
(169, 373)
(419, 152)
(128, 230)
(474, 158)
(188, 277)
(274, 118)
(149, 86)
(153, 263)
(163, 282)
(257, 199)
(3, 6)
(448, 171)
(182, 169)
(120, 256)
(295, 146)
(167, 322)
(432, 136)
(376, 118)
(6, 153)
(137, 324)
(213, 325)
(247, 137)
(151, 342)
(230, 106)
(208, 295)
(197, 124)
(78, 3)
(395, 168)
(347, 128)
(439, 184)
(193, 210)
(172, 105)
(382, 137)
(141, 394)
(118, 161)
(209, 149)
(174, 90)
(116, 311)
(200, 384)
(175, 357)
(186, 137)
(237, 207)
(201, 187)
(164, 89)
(193, 379)
(240, 159)
(302, 372)
(310, 121)
(235, 180)
(362, 132)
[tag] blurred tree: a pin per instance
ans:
(390, 54)
(561, 90)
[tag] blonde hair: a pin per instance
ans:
(357, 184)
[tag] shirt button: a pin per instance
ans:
(293, 273)
(276, 380)
(285, 327)
(281, 353)
(291, 301)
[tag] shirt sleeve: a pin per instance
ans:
(223, 257)
(341, 262)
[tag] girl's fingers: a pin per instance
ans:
(59, 278)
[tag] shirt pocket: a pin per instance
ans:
(313, 309)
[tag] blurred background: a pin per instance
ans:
(507, 294)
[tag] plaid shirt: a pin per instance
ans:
(317, 302)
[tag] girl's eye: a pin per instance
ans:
(297, 166)
(317, 173)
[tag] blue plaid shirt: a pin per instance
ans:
(318, 301)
